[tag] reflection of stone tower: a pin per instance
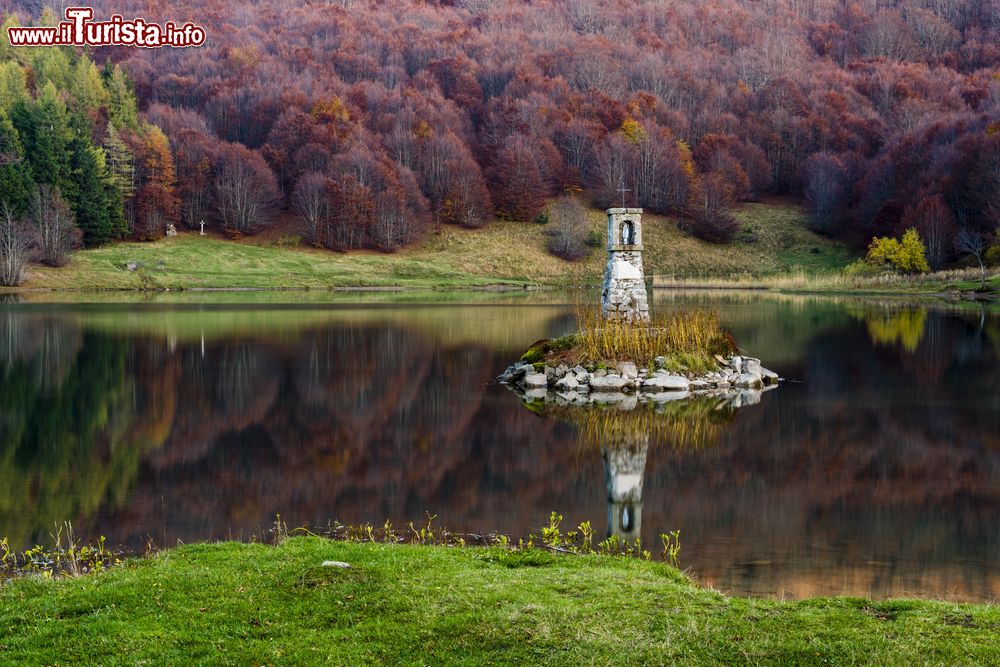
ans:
(624, 296)
(624, 467)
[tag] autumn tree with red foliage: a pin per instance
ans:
(245, 190)
(196, 152)
(311, 200)
(156, 204)
(518, 180)
(826, 190)
(373, 202)
(451, 179)
(935, 223)
(711, 217)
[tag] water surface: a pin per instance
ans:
(876, 472)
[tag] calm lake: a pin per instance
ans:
(875, 473)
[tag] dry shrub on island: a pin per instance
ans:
(688, 341)
(691, 337)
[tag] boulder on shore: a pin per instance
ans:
(610, 383)
(749, 381)
(536, 380)
(660, 383)
(568, 382)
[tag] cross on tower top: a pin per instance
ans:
(623, 190)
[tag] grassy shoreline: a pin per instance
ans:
(948, 285)
(503, 252)
(955, 283)
(777, 251)
(231, 603)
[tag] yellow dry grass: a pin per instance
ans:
(687, 339)
(508, 250)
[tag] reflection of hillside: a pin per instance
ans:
(874, 487)
(495, 326)
(348, 422)
(778, 327)
(826, 486)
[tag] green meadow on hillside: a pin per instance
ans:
(776, 240)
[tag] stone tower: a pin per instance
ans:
(624, 296)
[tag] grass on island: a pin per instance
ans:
(775, 239)
(688, 341)
(252, 604)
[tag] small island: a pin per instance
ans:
(622, 354)
(742, 379)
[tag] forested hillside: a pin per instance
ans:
(73, 128)
(374, 121)
(78, 164)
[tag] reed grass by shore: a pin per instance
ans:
(941, 282)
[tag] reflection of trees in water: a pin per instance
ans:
(245, 381)
(320, 410)
(367, 421)
(992, 328)
(66, 409)
(933, 343)
(45, 344)
(904, 326)
(691, 423)
(356, 374)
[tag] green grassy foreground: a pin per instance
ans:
(249, 604)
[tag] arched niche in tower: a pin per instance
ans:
(628, 233)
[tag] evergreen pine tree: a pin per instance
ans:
(122, 106)
(90, 202)
(120, 161)
(15, 171)
(13, 85)
(43, 125)
(53, 64)
(116, 208)
(88, 91)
